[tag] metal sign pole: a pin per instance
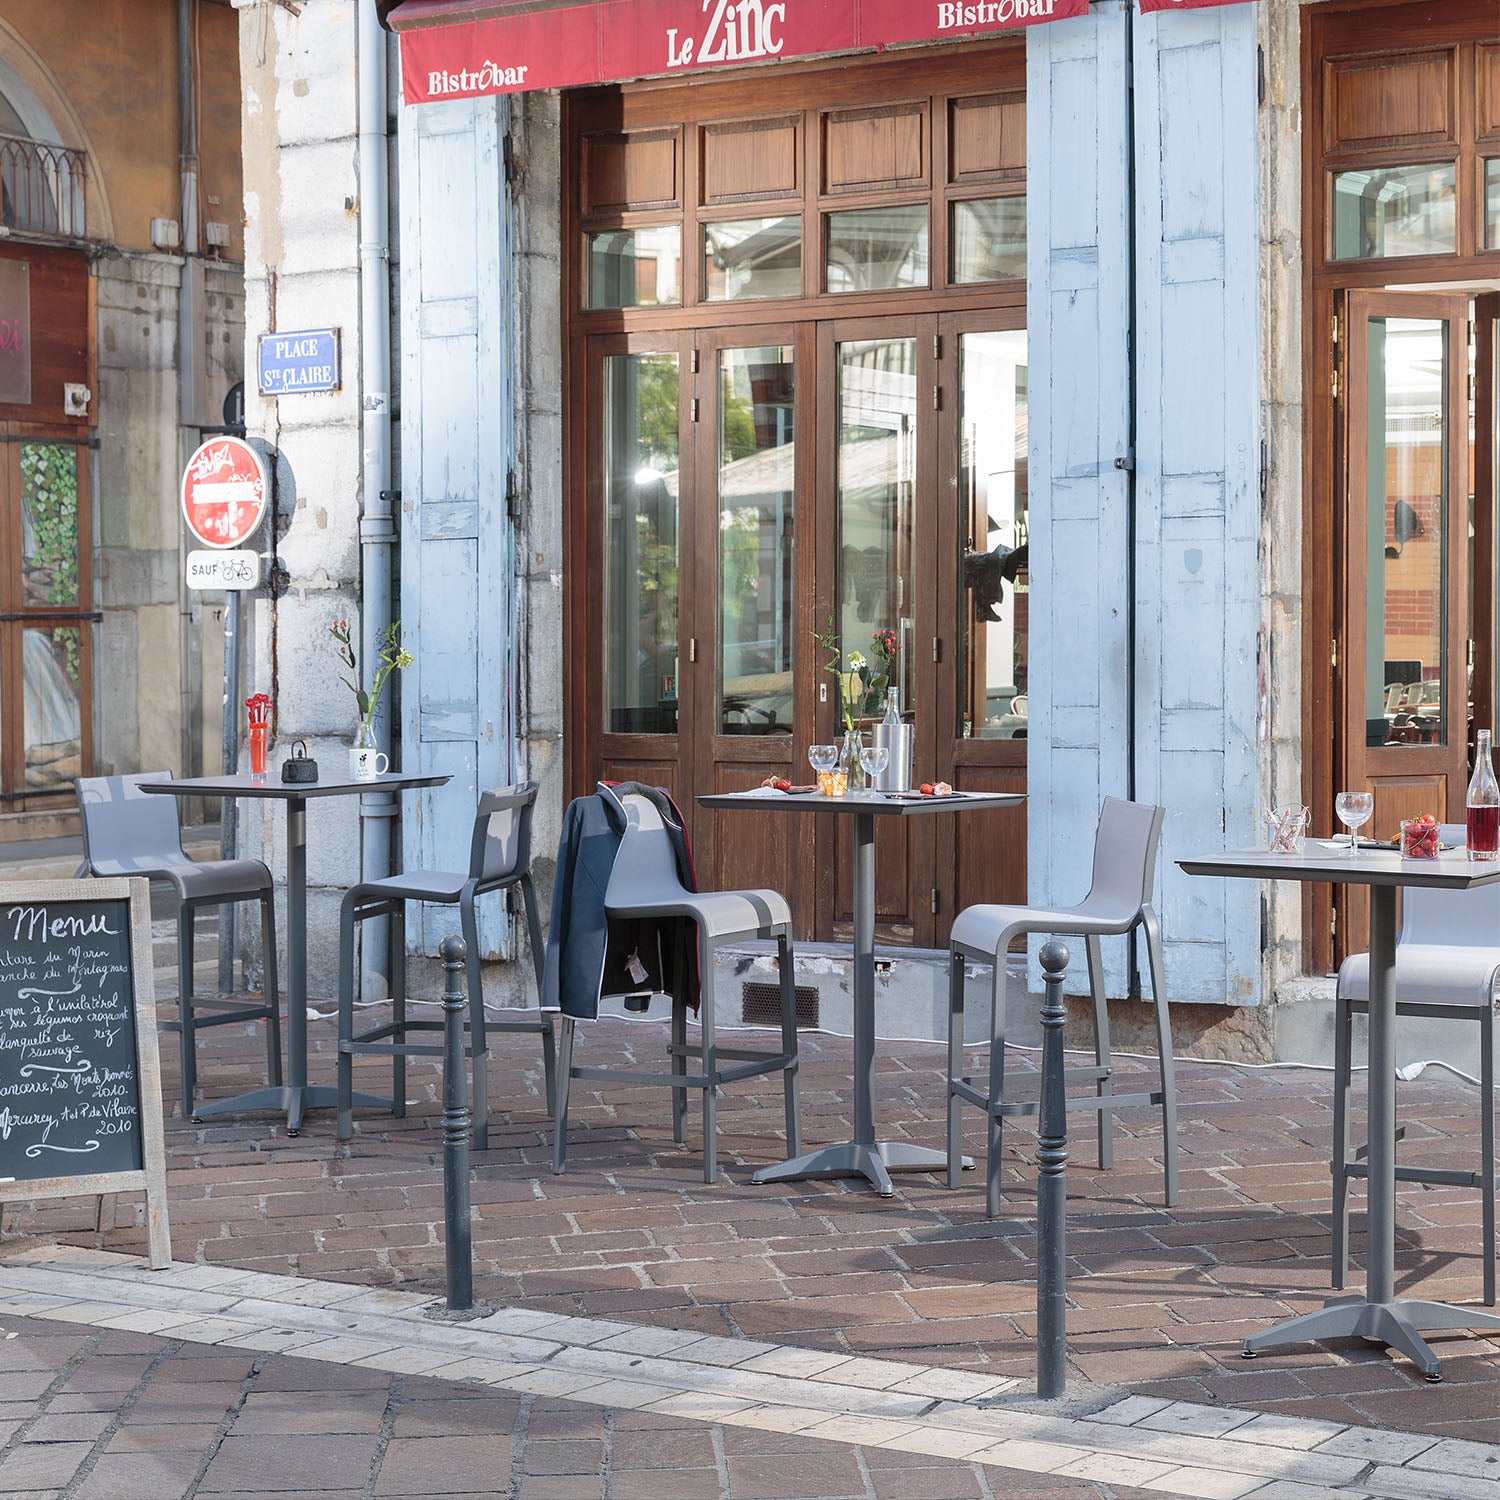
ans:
(229, 837)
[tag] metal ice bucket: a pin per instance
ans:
(897, 739)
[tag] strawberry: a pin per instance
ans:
(925, 789)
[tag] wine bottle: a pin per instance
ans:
(1483, 803)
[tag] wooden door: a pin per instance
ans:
(1486, 524)
(638, 543)
(751, 660)
(1405, 618)
(877, 487)
(46, 640)
(979, 723)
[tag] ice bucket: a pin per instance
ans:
(896, 738)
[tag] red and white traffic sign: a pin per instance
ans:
(224, 492)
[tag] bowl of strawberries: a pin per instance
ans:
(1419, 837)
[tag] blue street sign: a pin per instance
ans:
(291, 363)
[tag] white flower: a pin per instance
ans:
(856, 662)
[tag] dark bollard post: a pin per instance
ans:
(458, 1244)
(1052, 1205)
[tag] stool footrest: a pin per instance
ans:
(1442, 1176)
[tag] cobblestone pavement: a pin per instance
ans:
(90, 1414)
(1159, 1298)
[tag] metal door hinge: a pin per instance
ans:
(937, 648)
(1333, 653)
(937, 346)
(512, 496)
(693, 362)
(1333, 923)
(693, 409)
(934, 902)
(693, 648)
(937, 398)
(1334, 385)
(508, 149)
(1335, 329)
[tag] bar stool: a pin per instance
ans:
(499, 857)
(1447, 965)
(128, 832)
(1119, 900)
(644, 883)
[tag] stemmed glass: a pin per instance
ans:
(1354, 809)
(873, 760)
(822, 758)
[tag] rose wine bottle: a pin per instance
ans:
(1483, 803)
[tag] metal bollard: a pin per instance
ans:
(458, 1245)
(1051, 1192)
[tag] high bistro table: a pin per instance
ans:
(864, 1156)
(1377, 1315)
(296, 1096)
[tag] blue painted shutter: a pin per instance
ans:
(457, 586)
(1198, 470)
(1077, 337)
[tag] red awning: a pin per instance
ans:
(457, 49)
(1150, 5)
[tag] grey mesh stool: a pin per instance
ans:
(1447, 965)
(128, 832)
(499, 857)
(644, 883)
(1118, 901)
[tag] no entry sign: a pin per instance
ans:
(224, 492)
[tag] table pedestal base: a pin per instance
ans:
(296, 1101)
(874, 1160)
(1397, 1325)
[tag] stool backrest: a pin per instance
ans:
(502, 833)
(645, 868)
(1451, 919)
(125, 828)
(1125, 846)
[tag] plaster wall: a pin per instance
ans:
(110, 84)
(300, 88)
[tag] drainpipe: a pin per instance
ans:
(189, 300)
(377, 530)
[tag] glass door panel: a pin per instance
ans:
(992, 527)
(756, 466)
(875, 481)
(1406, 531)
(641, 554)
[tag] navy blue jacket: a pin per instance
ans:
(587, 952)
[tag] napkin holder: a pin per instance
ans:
(298, 767)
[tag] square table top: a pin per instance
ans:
(1336, 866)
(272, 786)
(883, 804)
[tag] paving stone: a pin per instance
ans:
(477, 1464)
(30, 1466)
(138, 1476)
(294, 1464)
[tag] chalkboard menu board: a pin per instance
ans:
(80, 1092)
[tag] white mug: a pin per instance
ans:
(366, 765)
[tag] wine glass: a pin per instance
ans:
(1354, 809)
(822, 758)
(873, 760)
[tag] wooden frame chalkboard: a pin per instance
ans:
(80, 1078)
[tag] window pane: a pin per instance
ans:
(1406, 531)
(49, 523)
(1381, 211)
(876, 483)
(635, 267)
(989, 240)
(51, 673)
(756, 472)
(640, 543)
(992, 497)
(877, 249)
(1492, 203)
(752, 258)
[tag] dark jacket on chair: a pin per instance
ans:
(588, 953)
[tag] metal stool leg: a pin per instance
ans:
(272, 987)
(786, 967)
(397, 950)
(677, 1046)
(538, 960)
(560, 1100)
(1168, 1070)
(955, 1065)
(478, 1048)
(188, 1061)
(344, 1069)
(997, 1085)
(710, 1058)
(1343, 1045)
(1487, 1145)
(1104, 1086)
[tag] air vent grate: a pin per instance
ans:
(762, 1005)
